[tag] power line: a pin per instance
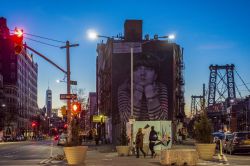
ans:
(44, 38)
(42, 42)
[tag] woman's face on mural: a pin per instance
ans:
(144, 75)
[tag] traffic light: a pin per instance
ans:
(18, 40)
(33, 124)
(76, 108)
(63, 110)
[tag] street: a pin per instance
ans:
(39, 152)
(26, 153)
(238, 159)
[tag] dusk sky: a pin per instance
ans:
(211, 32)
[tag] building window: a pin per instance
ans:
(12, 66)
(12, 75)
(12, 56)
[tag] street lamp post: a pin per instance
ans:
(67, 46)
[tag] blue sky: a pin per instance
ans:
(211, 32)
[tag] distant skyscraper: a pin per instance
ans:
(48, 102)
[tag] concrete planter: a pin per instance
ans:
(75, 155)
(205, 151)
(179, 157)
(122, 150)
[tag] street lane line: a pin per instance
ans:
(225, 158)
(42, 162)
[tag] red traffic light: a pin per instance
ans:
(76, 107)
(18, 32)
(18, 40)
(33, 124)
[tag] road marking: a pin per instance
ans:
(43, 161)
(107, 159)
(225, 158)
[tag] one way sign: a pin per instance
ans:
(68, 96)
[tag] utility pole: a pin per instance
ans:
(69, 129)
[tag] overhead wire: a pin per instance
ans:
(45, 38)
(41, 42)
(55, 40)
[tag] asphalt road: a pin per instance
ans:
(27, 153)
(38, 153)
(239, 159)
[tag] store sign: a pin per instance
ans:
(99, 118)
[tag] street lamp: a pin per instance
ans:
(93, 35)
(170, 37)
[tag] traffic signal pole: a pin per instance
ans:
(67, 46)
(44, 57)
(69, 129)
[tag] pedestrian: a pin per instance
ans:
(139, 143)
(90, 135)
(179, 136)
(152, 139)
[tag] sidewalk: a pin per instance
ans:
(105, 155)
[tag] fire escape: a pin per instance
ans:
(180, 85)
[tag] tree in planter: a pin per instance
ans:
(203, 136)
(123, 148)
(75, 127)
(203, 130)
(74, 153)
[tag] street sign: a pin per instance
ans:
(73, 82)
(68, 96)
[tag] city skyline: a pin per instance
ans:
(212, 33)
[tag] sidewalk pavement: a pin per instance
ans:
(105, 155)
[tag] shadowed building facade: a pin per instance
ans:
(19, 84)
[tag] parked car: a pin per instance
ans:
(62, 140)
(240, 142)
(7, 138)
(20, 138)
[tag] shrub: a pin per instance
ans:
(203, 130)
(123, 139)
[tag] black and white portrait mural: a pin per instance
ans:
(152, 87)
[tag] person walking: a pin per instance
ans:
(139, 143)
(152, 139)
(179, 136)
